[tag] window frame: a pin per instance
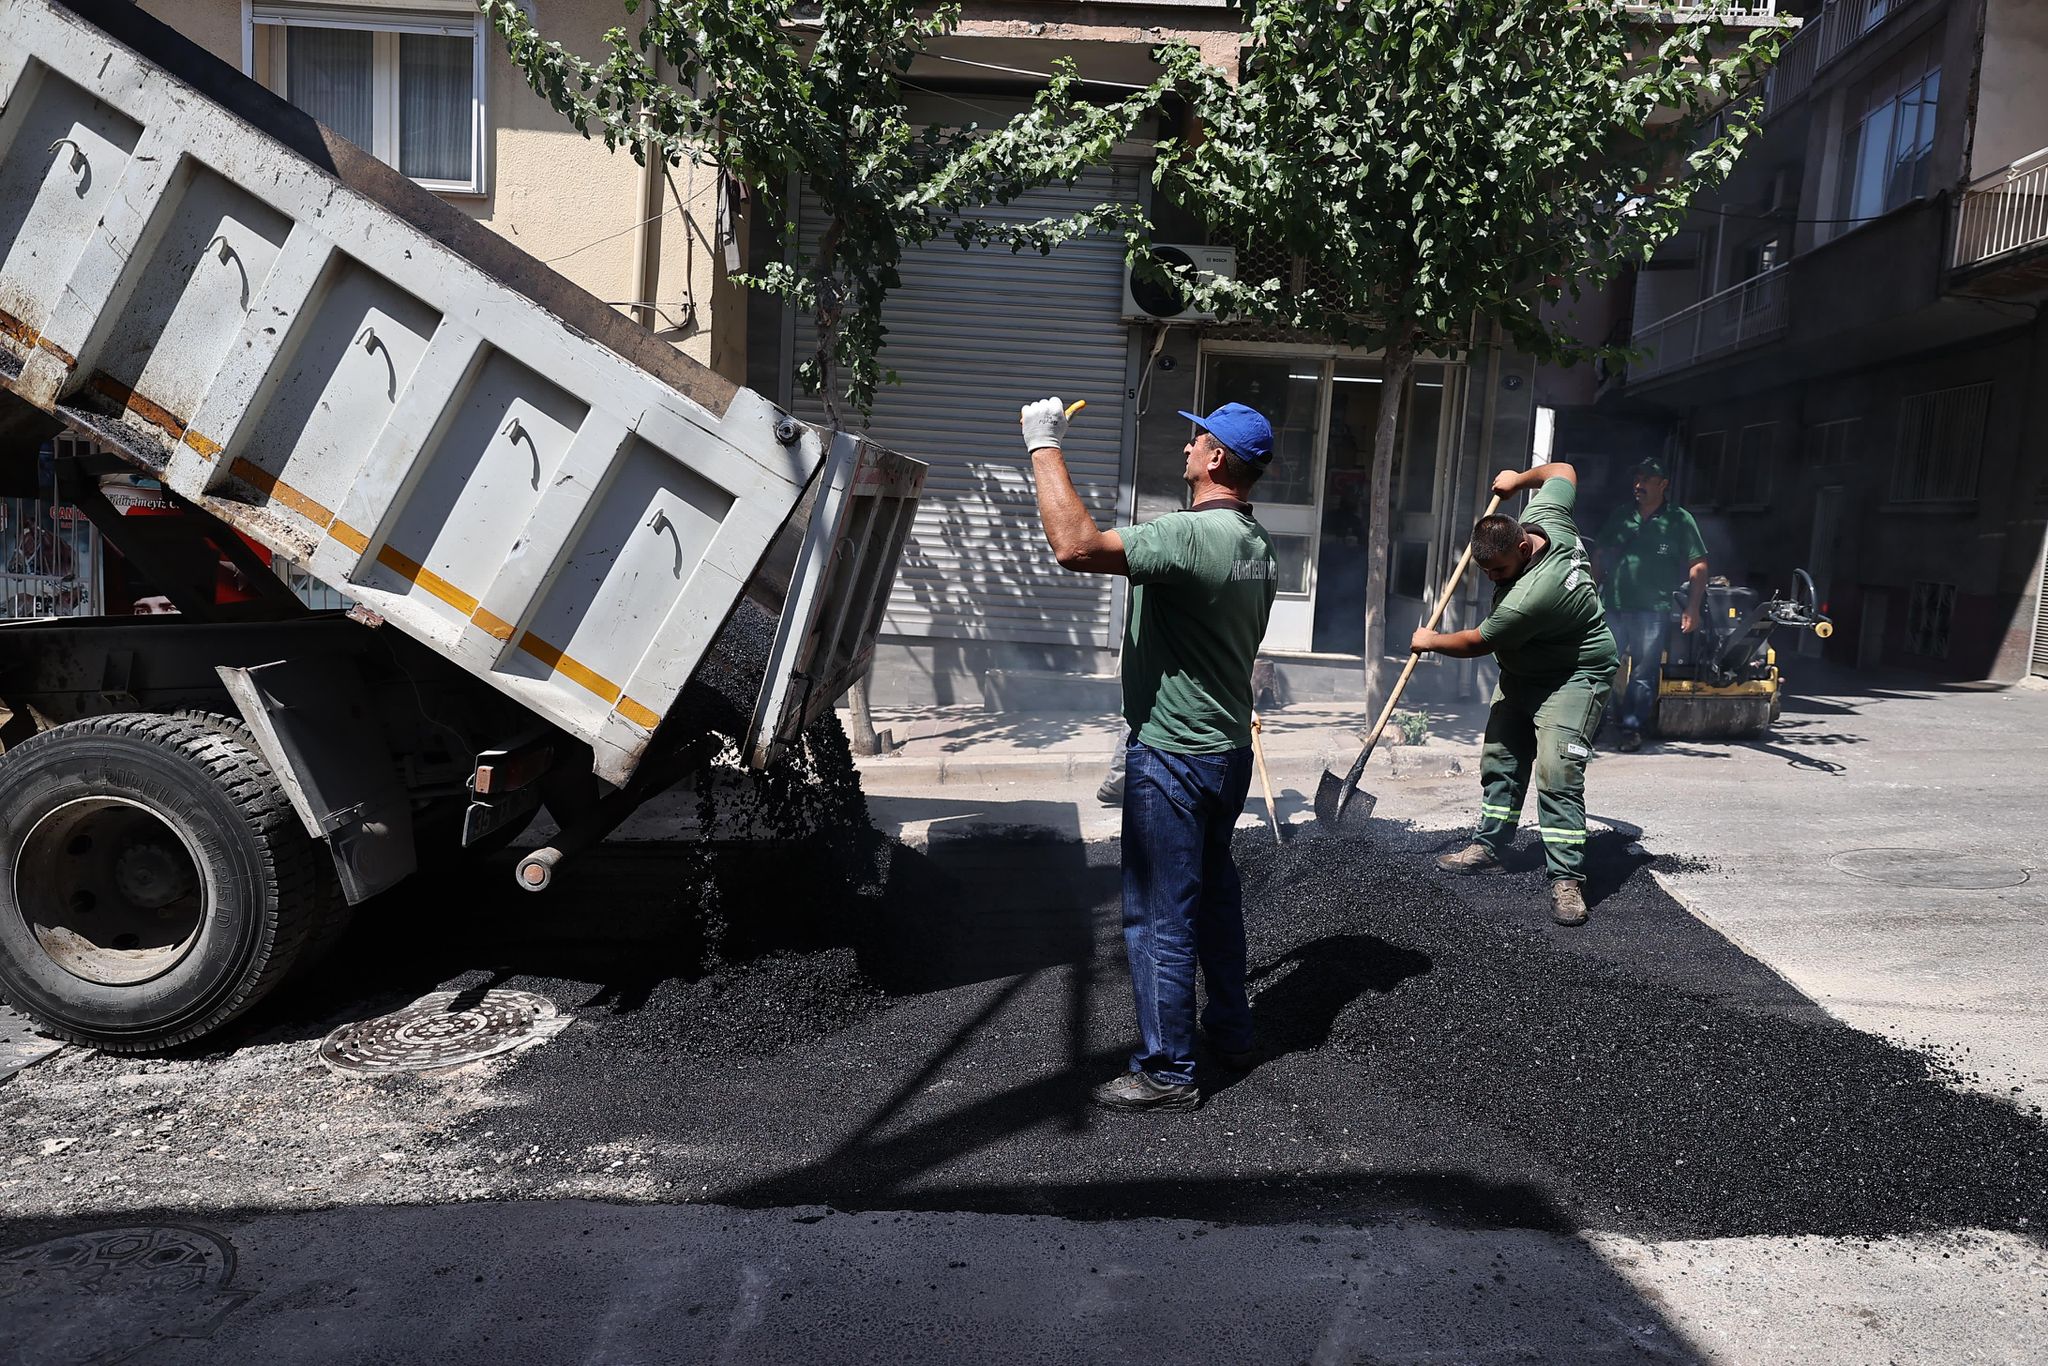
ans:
(1958, 404)
(265, 24)
(1735, 497)
(1886, 92)
(1701, 497)
(1828, 443)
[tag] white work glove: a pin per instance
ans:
(1045, 424)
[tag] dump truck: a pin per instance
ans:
(579, 567)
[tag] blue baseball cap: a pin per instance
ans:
(1244, 431)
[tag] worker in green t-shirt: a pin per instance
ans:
(1556, 655)
(1640, 556)
(1202, 588)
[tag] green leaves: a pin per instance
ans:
(1437, 159)
(779, 94)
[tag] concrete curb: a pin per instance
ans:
(897, 771)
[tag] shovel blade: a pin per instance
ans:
(1341, 804)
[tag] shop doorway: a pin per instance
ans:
(1316, 500)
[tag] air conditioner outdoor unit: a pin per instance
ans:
(1145, 301)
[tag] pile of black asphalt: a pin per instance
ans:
(821, 1020)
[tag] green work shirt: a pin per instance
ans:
(1202, 586)
(1548, 624)
(1647, 557)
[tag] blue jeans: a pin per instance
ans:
(1183, 904)
(1640, 636)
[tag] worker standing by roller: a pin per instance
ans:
(1640, 556)
(1202, 588)
(1549, 633)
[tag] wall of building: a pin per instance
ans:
(559, 196)
(1987, 548)
(2012, 99)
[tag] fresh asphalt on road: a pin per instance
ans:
(862, 1132)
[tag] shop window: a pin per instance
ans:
(1888, 151)
(1293, 553)
(1941, 444)
(1411, 569)
(405, 85)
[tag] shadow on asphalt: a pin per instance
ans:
(571, 1280)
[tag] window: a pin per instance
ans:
(1941, 439)
(1762, 255)
(1292, 552)
(1930, 611)
(1889, 148)
(1748, 484)
(1703, 475)
(405, 85)
(1831, 443)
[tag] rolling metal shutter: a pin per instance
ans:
(2040, 665)
(974, 335)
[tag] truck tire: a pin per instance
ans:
(154, 880)
(333, 915)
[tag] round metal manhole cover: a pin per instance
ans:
(104, 1294)
(444, 1029)
(1929, 868)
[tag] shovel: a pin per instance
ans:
(1338, 801)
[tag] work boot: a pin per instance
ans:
(1137, 1091)
(1473, 858)
(1631, 741)
(1233, 1060)
(1567, 901)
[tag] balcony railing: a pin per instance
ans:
(1699, 9)
(1820, 40)
(2003, 213)
(1751, 312)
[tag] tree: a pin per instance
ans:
(782, 96)
(811, 97)
(1441, 159)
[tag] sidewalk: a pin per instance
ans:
(964, 768)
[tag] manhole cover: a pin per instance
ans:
(1928, 868)
(102, 1295)
(444, 1029)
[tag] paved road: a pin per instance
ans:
(1336, 1205)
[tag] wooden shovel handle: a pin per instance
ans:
(1443, 601)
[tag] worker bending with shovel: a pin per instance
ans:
(1202, 587)
(1557, 660)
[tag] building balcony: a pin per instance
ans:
(1820, 42)
(1719, 325)
(1867, 298)
(1999, 248)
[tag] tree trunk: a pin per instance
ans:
(860, 736)
(1400, 362)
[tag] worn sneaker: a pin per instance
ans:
(1137, 1091)
(1473, 858)
(1111, 793)
(1567, 902)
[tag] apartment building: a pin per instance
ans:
(1844, 352)
(981, 613)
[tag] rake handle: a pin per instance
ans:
(1393, 699)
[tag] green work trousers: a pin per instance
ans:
(1544, 731)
